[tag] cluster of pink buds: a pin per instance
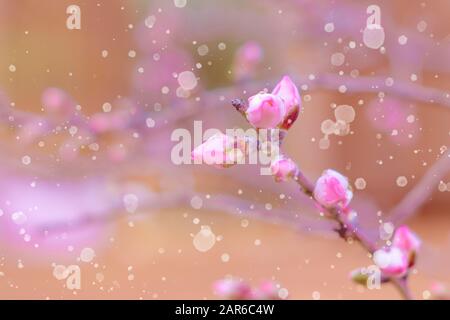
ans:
(396, 260)
(278, 109)
(236, 289)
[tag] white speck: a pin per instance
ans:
(196, 202)
(329, 27)
(19, 218)
(180, 3)
(422, 26)
(107, 107)
(12, 68)
(360, 183)
(225, 257)
(402, 40)
(150, 122)
(187, 80)
(150, 21)
(26, 160)
(203, 50)
(104, 53)
(131, 202)
(402, 181)
(222, 46)
(205, 239)
(316, 295)
(283, 293)
(87, 254)
(132, 54)
(337, 59)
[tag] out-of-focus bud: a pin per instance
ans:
(267, 290)
(407, 241)
(55, 100)
(247, 59)
(283, 168)
(288, 92)
(265, 110)
(392, 261)
(220, 150)
(439, 292)
(359, 276)
(233, 289)
(332, 189)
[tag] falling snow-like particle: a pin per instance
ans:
(203, 50)
(131, 202)
(402, 40)
(205, 239)
(360, 183)
(187, 80)
(150, 122)
(180, 3)
(106, 107)
(26, 160)
(329, 27)
(87, 254)
(196, 202)
(402, 181)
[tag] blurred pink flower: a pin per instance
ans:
(267, 290)
(332, 189)
(391, 261)
(288, 92)
(406, 240)
(265, 110)
(55, 100)
(220, 150)
(394, 118)
(283, 168)
(50, 214)
(247, 59)
(232, 289)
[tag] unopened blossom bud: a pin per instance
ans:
(56, 100)
(391, 261)
(406, 240)
(288, 92)
(283, 168)
(265, 110)
(247, 59)
(332, 189)
(232, 289)
(220, 150)
(267, 290)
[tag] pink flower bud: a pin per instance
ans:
(288, 92)
(406, 240)
(332, 189)
(220, 150)
(57, 101)
(247, 59)
(232, 289)
(391, 261)
(283, 168)
(265, 110)
(267, 290)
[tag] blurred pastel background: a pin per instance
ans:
(86, 118)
